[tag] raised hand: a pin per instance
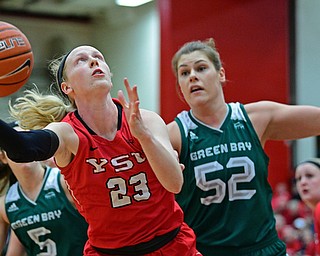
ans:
(132, 110)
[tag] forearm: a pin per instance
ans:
(27, 146)
(163, 163)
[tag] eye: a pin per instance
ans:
(184, 72)
(309, 176)
(81, 60)
(100, 57)
(202, 68)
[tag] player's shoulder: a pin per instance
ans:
(261, 105)
(145, 113)
(52, 179)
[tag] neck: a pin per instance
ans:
(212, 116)
(31, 180)
(102, 119)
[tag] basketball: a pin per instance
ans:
(16, 59)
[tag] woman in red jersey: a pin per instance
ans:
(117, 159)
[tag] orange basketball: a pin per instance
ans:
(16, 59)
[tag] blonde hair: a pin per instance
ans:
(35, 110)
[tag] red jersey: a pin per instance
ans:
(317, 227)
(116, 190)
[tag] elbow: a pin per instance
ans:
(177, 190)
(176, 187)
(174, 190)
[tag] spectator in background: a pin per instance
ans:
(307, 176)
(290, 236)
(280, 197)
(280, 224)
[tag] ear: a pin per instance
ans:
(222, 75)
(3, 157)
(66, 88)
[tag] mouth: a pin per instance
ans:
(195, 88)
(305, 191)
(97, 72)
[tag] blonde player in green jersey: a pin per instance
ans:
(226, 196)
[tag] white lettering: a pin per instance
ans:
(98, 167)
(138, 157)
(233, 147)
(121, 163)
(220, 149)
(12, 42)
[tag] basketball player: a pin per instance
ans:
(116, 158)
(307, 175)
(7, 178)
(41, 213)
(226, 197)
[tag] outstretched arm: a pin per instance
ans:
(276, 121)
(152, 133)
(27, 146)
(56, 139)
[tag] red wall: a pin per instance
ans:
(253, 39)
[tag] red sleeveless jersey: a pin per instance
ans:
(116, 190)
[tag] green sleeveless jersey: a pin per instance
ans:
(50, 225)
(226, 197)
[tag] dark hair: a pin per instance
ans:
(7, 177)
(314, 161)
(57, 70)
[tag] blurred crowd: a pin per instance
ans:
(294, 221)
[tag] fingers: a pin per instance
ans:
(131, 91)
(134, 102)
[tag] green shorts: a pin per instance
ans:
(275, 247)
(278, 248)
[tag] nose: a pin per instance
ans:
(303, 180)
(193, 76)
(93, 62)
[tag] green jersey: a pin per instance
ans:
(50, 225)
(226, 197)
